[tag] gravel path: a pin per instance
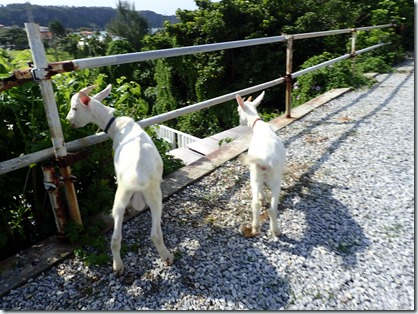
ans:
(347, 217)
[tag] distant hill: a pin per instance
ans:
(71, 17)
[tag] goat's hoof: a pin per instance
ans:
(118, 270)
(276, 233)
(247, 231)
(264, 204)
(169, 260)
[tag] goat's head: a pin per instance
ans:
(83, 106)
(248, 108)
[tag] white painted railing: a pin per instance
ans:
(177, 139)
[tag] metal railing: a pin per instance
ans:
(43, 71)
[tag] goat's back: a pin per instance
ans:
(137, 160)
(266, 150)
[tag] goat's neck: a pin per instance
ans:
(252, 121)
(101, 116)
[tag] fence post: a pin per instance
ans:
(353, 49)
(288, 77)
(40, 69)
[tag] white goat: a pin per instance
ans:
(266, 158)
(138, 166)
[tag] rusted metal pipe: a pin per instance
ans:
(64, 165)
(18, 77)
(288, 77)
(52, 184)
(70, 194)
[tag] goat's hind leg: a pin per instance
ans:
(256, 191)
(153, 198)
(254, 229)
(122, 199)
(275, 195)
(256, 203)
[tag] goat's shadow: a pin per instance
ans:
(214, 264)
(329, 223)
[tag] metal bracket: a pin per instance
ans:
(288, 78)
(73, 178)
(49, 186)
(39, 74)
(59, 181)
(55, 183)
(71, 158)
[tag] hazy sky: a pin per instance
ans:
(166, 7)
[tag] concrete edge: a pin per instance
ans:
(16, 270)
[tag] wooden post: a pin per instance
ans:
(288, 78)
(52, 115)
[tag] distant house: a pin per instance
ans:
(45, 32)
(88, 34)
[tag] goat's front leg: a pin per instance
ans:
(153, 198)
(122, 199)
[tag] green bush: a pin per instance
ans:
(372, 64)
(24, 205)
(317, 82)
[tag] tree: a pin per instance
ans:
(120, 46)
(197, 77)
(57, 28)
(70, 45)
(14, 38)
(128, 24)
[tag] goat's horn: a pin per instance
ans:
(250, 98)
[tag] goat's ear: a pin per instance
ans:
(240, 101)
(258, 100)
(104, 93)
(85, 99)
(88, 89)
